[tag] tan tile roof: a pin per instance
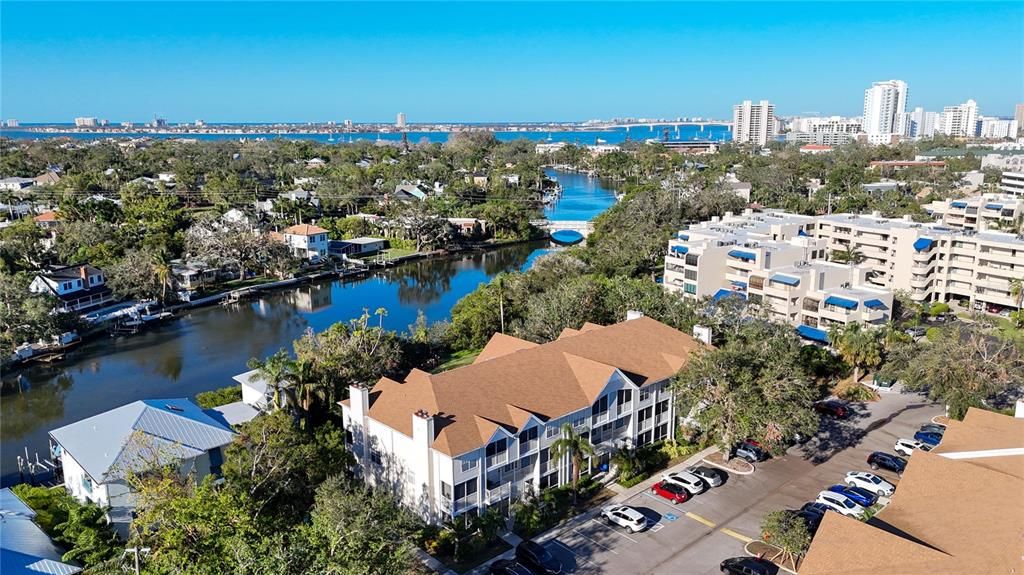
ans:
(501, 344)
(304, 230)
(947, 515)
(50, 216)
(518, 379)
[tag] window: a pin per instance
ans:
(624, 396)
(528, 435)
(661, 407)
(65, 286)
(468, 464)
(87, 484)
(446, 491)
(645, 414)
(645, 394)
(691, 259)
(661, 432)
(600, 407)
(374, 455)
(497, 452)
(690, 288)
(579, 421)
(643, 439)
(690, 275)
(465, 489)
(551, 431)
(621, 422)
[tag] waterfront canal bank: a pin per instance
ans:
(204, 347)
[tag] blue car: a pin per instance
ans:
(859, 495)
(928, 437)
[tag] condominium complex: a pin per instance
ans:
(998, 128)
(753, 123)
(480, 436)
(400, 120)
(86, 122)
(960, 120)
(884, 103)
(936, 261)
(1013, 183)
(770, 258)
(982, 212)
(920, 124)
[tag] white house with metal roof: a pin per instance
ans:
(24, 548)
(97, 454)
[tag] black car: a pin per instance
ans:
(815, 508)
(535, 556)
(836, 409)
(887, 461)
(748, 566)
(510, 567)
(812, 517)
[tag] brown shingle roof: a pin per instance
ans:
(517, 379)
(304, 230)
(50, 216)
(947, 516)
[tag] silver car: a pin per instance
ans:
(709, 475)
(688, 481)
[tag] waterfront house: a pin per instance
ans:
(469, 226)
(356, 246)
(78, 287)
(99, 454)
(15, 184)
(479, 436)
(192, 275)
(47, 178)
(407, 192)
(25, 549)
(306, 241)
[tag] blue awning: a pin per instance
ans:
(683, 237)
(923, 244)
(788, 280)
(841, 302)
(874, 304)
(801, 233)
(727, 293)
(742, 285)
(680, 249)
(994, 206)
(959, 204)
(812, 333)
(740, 254)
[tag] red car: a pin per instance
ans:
(671, 491)
(832, 407)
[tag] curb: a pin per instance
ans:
(724, 468)
(747, 551)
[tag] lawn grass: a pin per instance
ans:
(457, 359)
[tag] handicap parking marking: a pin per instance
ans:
(670, 517)
(700, 519)
(612, 529)
(605, 547)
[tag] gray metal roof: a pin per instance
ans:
(112, 442)
(24, 548)
(233, 413)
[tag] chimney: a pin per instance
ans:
(84, 273)
(702, 333)
(359, 402)
(633, 314)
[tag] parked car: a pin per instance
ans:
(689, 481)
(748, 566)
(859, 495)
(887, 461)
(624, 516)
(509, 567)
(871, 482)
(709, 475)
(674, 492)
(905, 447)
(815, 508)
(916, 331)
(751, 452)
(928, 437)
(537, 557)
(933, 428)
(833, 408)
(840, 503)
(811, 518)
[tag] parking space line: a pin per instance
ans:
(669, 505)
(571, 550)
(739, 536)
(700, 519)
(612, 529)
(577, 531)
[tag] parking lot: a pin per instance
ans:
(695, 536)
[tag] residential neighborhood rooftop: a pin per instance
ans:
(303, 230)
(24, 548)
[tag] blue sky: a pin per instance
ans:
(237, 61)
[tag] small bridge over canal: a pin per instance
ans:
(581, 227)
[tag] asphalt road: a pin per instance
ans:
(695, 536)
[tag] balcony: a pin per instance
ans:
(499, 459)
(624, 408)
(600, 418)
(920, 281)
(499, 492)
(528, 446)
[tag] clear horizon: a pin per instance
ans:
(495, 62)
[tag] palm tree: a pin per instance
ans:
(857, 346)
(275, 371)
(849, 255)
(1017, 291)
(892, 336)
(160, 266)
(574, 446)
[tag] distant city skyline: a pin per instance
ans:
(496, 62)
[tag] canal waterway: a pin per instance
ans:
(204, 348)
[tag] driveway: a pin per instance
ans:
(695, 536)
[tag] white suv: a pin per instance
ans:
(905, 447)
(840, 503)
(624, 516)
(690, 482)
(871, 482)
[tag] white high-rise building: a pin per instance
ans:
(998, 128)
(884, 102)
(960, 120)
(921, 124)
(400, 120)
(753, 123)
(12, 123)
(85, 122)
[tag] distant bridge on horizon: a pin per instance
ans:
(652, 125)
